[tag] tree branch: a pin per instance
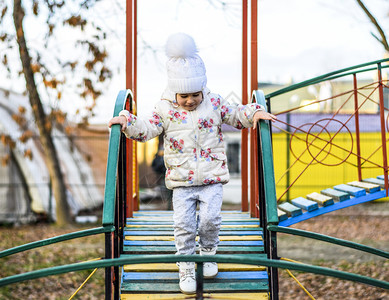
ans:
(383, 39)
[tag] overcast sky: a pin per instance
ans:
(297, 39)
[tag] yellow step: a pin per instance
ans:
(172, 267)
(171, 238)
(171, 226)
(216, 296)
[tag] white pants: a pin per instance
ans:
(207, 222)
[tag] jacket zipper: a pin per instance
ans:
(197, 145)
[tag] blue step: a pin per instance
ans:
(305, 204)
(352, 190)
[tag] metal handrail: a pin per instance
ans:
(111, 226)
(267, 160)
(56, 239)
(114, 197)
(329, 239)
(172, 258)
(112, 162)
(328, 76)
(268, 205)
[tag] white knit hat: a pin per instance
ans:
(185, 69)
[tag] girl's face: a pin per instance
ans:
(189, 101)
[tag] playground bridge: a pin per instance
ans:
(139, 252)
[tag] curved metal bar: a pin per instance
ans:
(268, 166)
(341, 75)
(328, 239)
(56, 239)
(112, 162)
(327, 76)
(172, 258)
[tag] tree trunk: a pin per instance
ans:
(52, 162)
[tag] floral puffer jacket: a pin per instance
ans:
(194, 150)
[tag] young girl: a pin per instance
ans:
(190, 118)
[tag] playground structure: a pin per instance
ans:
(135, 239)
(249, 239)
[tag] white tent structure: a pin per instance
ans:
(25, 183)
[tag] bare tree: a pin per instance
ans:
(45, 74)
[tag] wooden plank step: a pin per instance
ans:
(290, 209)
(145, 213)
(254, 222)
(281, 215)
(337, 195)
(172, 249)
(368, 187)
(149, 249)
(254, 285)
(171, 243)
(321, 199)
(150, 212)
(305, 204)
(170, 227)
(172, 267)
(215, 296)
(377, 181)
(170, 213)
(352, 190)
(171, 232)
(171, 238)
(173, 276)
(170, 218)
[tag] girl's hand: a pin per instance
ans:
(262, 115)
(122, 120)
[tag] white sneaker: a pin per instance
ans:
(210, 269)
(187, 277)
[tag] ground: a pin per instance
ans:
(367, 224)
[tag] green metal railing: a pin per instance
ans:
(268, 199)
(114, 198)
(331, 76)
(111, 223)
(56, 239)
(171, 258)
(329, 239)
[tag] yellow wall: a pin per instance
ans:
(318, 176)
(314, 178)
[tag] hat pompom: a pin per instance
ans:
(180, 45)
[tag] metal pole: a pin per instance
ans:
(253, 86)
(129, 46)
(383, 135)
(287, 155)
(244, 149)
(108, 270)
(129, 85)
(135, 99)
(116, 251)
(272, 254)
(357, 127)
(200, 281)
